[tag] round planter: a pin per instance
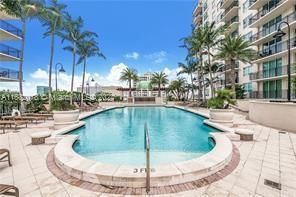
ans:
(222, 116)
(65, 118)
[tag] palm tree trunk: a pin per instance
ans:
(50, 70)
(232, 63)
(130, 89)
(159, 90)
(192, 86)
(82, 85)
(210, 73)
(73, 72)
(20, 76)
(199, 73)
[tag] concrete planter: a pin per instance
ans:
(65, 118)
(222, 116)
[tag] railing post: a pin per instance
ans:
(147, 148)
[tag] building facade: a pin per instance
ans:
(42, 90)
(257, 21)
(92, 90)
(8, 54)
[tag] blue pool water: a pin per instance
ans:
(117, 136)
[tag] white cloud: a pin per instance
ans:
(40, 77)
(157, 57)
(172, 73)
(133, 55)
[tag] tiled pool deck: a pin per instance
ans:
(271, 156)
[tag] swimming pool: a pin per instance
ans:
(116, 136)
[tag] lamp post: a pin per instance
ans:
(88, 83)
(279, 34)
(61, 70)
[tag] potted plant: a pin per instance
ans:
(64, 113)
(220, 112)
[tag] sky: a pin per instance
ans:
(141, 34)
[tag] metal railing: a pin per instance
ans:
(262, 12)
(10, 28)
(147, 149)
(264, 32)
(274, 72)
(233, 20)
(10, 51)
(9, 74)
(276, 48)
(272, 94)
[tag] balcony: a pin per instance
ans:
(265, 34)
(197, 9)
(5, 16)
(8, 53)
(275, 51)
(9, 32)
(265, 15)
(230, 12)
(8, 75)
(272, 74)
(225, 4)
(232, 24)
(272, 94)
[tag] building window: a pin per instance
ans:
(246, 5)
(247, 70)
(248, 87)
(248, 36)
(246, 21)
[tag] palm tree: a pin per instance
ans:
(85, 50)
(23, 9)
(233, 49)
(177, 87)
(128, 75)
(212, 38)
(53, 17)
(159, 78)
(189, 69)
(195, 47)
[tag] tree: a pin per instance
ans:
(128, 75)
(177, 88)
(87, 49)
(234, 49)
(195, 47)
(159, 78)
(189, 69)
(23, 9)
(53, 17)
(212, 39)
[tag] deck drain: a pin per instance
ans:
(282, 132)
(272, 184)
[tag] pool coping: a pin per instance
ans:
(88, 170)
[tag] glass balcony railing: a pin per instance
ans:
(10, 28)
(233, 20)
(263, 11)
(289, 18)
(10, 51)
(275, 72)
(233, 4)
(8, 74)
(276, 48)
(272, 94)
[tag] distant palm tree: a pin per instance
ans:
(189, 69)
(53, 18)
(159, 78)
(23, 9)
(235, 49)
(87, 49)
(212, 38)
(129, 75)
(177, 88)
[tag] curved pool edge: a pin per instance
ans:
(126, 176)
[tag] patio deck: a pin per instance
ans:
(270, 156)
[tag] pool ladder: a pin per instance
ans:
(147, 149)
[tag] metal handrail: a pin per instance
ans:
(11, 28)
(147, 149)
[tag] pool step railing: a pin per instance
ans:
(147, 149)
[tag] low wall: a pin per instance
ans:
(277, 115)
(243, 104)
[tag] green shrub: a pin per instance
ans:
(61, 101)
(222, 100)
(117, 98)
(36, 104)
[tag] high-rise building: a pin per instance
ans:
(9, 54)
(257, 21)
(42, 90)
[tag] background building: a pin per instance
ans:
(9, 34)
(257, 21)
(92, 90)
(41, 90)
